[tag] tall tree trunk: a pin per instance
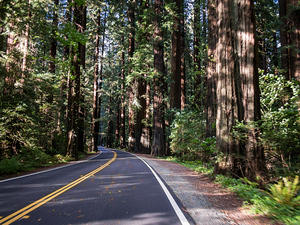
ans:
(110, 124)
(158, 144)
(290, 37)
(131, 48)
(211, 70)
(226, 100)
(53, 48)
(141, 144)
(245, 48)
(177, 58)
(197, 42)
(53, 40)
(237, 88)
(11, 45)
(146, 133)
(141, 113)
(82, 52)
(122, 119)
(101, 76)
(26, 44)
(95, 121)
(117, 128)
(75, 96)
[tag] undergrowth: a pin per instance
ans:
(280, 201)
(29, 161)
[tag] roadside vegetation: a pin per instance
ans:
(35, 160)
(278, 196)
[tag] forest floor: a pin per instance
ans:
(202, 197)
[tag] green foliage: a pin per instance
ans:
(282, 201)
(188, 137)
(285, 192)
(280, 111)
(195, 165)
(9, 166)
(243, 188)
(280, 124)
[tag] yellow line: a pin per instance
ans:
(22, 212)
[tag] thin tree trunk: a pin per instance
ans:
(146, 134)
(122, 119)
(117, 116)
(211, 71)
(177, 58)
(158, 144)
(198, 84)
(95, 121)
(101, 76)
(140, 120)
(290, 38)
(131, 48)
(82, 52)
(53, 41)
(11, 45)
(74, 103)
(26, 45)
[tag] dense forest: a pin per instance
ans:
(215, 81)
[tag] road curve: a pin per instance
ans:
(113, 188)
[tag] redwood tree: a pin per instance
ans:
(211, 70)
(131, 48)
(177, 98)
(158, 142)
(289, 11)
(237, 89)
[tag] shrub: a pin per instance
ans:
(282, 201)
(9, 166)
(280, 124)
(188, 137)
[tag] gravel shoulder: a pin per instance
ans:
(205, 201)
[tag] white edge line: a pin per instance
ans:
(175, 206)
(45, 171)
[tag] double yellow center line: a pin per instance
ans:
(29, 208)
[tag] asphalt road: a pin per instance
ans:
(112, 188)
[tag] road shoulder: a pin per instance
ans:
(205, 201)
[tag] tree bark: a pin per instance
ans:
(237, 89)
(290, 38)
(131, 48)
(75, 96)
(122, 119)
(95, 121)
(146, 133)
(211, 70)
(81, 112)
(101, 76)
(53, 40)
(25, 45)
(177, 58)
(158, 144)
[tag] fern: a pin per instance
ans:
(285, 192)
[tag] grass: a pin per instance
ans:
(33, 160)
(259, 201)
